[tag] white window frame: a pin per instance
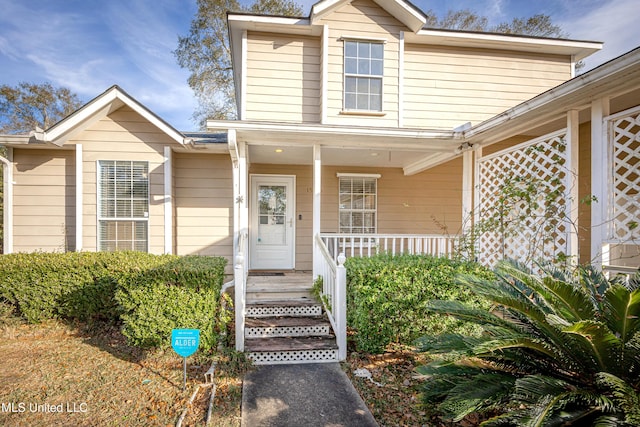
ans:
(358, 75)
(100, 219)
(374, 210)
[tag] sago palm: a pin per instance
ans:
(562, 348)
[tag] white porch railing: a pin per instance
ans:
(366, 245)
(334, 293)
(616, 270)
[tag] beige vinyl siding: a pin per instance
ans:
(362, 18)
(446, 87)
(203, 195)
(123, 135)
(304, 207)
(44, 200)
(424, 203)
(283, 78)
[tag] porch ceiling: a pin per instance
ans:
(414, 150)
(334, 156)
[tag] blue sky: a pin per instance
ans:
(89, 45)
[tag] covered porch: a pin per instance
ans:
(305, 196)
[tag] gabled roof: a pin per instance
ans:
(402, 10)
(101, 106)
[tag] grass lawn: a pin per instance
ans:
(97, 380)
(94, 378)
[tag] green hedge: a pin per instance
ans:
(155, 293)
(386, 297)
(184, 293)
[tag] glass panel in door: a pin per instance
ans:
(272, 215)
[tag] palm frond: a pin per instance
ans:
(531, 388)
(634, 281)
(622, 311)
(568, 408)
(593, 281)
(558, 292)
(504, 292)
(608, 421)
(598, 345)
(478, 394)
(463, 312)
(446, 343)
(519, 342)
(624, 394)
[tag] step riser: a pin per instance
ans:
(302, 356)
(272, 311)
(284, 295)
(290, 331)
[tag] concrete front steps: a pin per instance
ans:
(285, 324)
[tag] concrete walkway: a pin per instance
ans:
(306, 395)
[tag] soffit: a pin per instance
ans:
(576, 48)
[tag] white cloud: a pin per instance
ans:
(614, 22)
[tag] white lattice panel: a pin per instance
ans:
(523, 191)
(624, 152)
(272, 311)
(302, 356)
(287, 331)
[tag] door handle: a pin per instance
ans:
(291, 222)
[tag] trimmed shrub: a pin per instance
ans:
(184, 293)
(67, 285)
(155, 293)
(387, 297)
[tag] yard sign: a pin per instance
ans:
(185, 342)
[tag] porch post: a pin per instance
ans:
(467, 190)
(476, 201)
(8, 201)
(573, 201)
(599, 182)
(341, 307)
(79, 198)
(237, 150)
(168, 201)
(317, 203)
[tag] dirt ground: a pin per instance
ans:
(55, 374)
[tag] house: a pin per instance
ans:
(358, 131)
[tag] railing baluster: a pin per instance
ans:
(366, 245)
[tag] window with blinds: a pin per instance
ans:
(358, 205)
(123, 205)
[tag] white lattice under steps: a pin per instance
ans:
(272, 327)
(289, 332)
(271, 351)
(284, 308)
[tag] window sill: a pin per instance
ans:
(362, 113)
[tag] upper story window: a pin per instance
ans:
(363, 70)
(123, 205)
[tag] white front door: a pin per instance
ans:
(272, 224)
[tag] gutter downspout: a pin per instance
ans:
(8, 201)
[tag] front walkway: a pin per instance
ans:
(310, 395)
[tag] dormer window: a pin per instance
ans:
(363, 71)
